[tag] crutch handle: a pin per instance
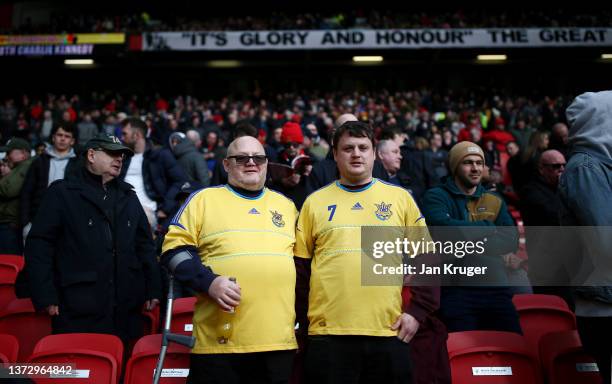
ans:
(186, 340)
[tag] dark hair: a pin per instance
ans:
(244, 128)
(69, 128)
(136, 123)
(354, 129)
(389, 133)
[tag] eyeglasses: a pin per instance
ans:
(111, 153)
(244, 159)
(555, 165)
(292, 144)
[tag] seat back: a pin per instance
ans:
(151, 324)
(565, 362)
(9, 348)
(16, 260)
(20, 319)
(182, 315)
(97, 357)
(490, 357)
(141, 365)
(542, 314)
(8, 276)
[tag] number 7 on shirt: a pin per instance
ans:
(331, 208)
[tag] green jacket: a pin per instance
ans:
(10, 188)
(473, 217)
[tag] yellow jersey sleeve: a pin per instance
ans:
(184, 229)
(304, 240)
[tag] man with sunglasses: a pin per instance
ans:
(540, 206)
(90, 256)
(246, 231)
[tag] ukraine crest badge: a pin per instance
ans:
(277, 219)
(383, 211)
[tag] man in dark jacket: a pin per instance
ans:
(57, 162)
(540, 205)
(463, 202)
(90, 255)
(154, 173)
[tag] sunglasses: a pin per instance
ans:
(555, 165)
(244, 159)
(112, 153)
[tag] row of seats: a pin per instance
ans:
(548, 326)
(476, 357)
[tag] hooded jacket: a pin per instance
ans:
(47, 165)
(192, 162)
(585, 189)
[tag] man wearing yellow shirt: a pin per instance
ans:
(246, 231)
(356, 333)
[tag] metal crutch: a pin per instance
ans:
(188, 341)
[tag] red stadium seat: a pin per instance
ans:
(182, 315)
(542, 314)
(20, 319)
(16, 260)
(565, 362)
(141, 366)
(490, 357)
(97, 357)
(151, 325)
(8, 276)
(9, 348)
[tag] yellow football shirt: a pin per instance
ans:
(329, 232)
(251, 239)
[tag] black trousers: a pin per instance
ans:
(357, 359)
(596, 339)
(238, 368)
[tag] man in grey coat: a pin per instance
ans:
(190, 159)
(585, 189)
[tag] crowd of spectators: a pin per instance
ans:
(512, 130)
(378, 19)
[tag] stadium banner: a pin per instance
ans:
(64, 39)
(47, 50)
(374, 39)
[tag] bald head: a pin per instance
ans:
(245, 145)
(551, 166)
(551, 156)
(344, 118)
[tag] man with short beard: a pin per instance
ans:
(462, 202)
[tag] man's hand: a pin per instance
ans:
(291, 181)
(53, 310)
(512, 261)
(406, 327)
(224, 292)
(151, 304)
(161, 214)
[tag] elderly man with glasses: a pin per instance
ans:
(90, 256)
(233, 244)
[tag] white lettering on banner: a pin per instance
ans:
(376, 38)
(46, 50)
(188, 328)
(492, 371)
